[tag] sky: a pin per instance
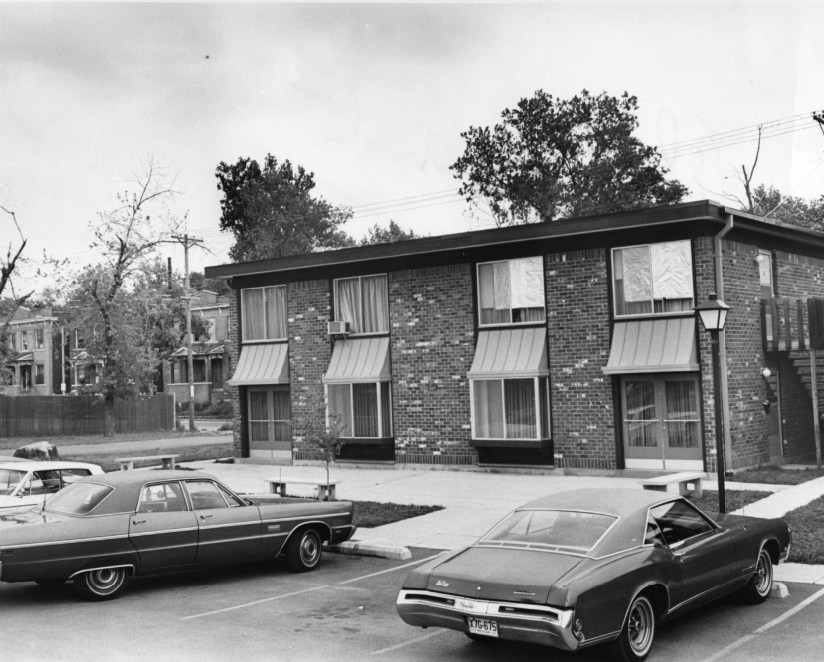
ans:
(373, 97)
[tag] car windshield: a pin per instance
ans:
(9, 479)
(576, 531)
(78, 498)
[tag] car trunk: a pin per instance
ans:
(502, 573)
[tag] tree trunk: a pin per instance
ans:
(108, 415)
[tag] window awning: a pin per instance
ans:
(24, 357)
(510, 354)
(359, 360)
(262, 364)
(658, 345)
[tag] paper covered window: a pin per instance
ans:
(654, 278)
(511, 291)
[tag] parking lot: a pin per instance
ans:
(345, 610)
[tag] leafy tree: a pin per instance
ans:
(378, 235)
(124, 236)
(551, 158)
(217, 285)
(322, 428)
(272, 213)
(789, 209)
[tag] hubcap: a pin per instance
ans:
(763, 578)
(309, 549)
(640, 627)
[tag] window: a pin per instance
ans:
(205, 495)
(39, 338)
(269, 414)
(679, 521)
(364, 303)
(364, 409)
(264, 313)
(654, 278)
(510, 408)
(164, 497)
(40, 373)
(511, 291)
(24, 340)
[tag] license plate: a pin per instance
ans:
(482, 626)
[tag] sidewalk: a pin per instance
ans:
(474, 501)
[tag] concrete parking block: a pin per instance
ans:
(386, 550)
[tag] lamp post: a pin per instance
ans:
(713, 314)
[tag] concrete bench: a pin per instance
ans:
(166, 461)
(684, 482)
(278, 486)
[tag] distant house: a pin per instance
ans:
(209, 357)
(570, 344)
(30, 367)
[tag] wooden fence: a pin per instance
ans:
(53, 415)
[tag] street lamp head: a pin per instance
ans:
(713, 313)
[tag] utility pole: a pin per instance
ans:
(188, 242)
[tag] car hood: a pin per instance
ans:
(501, 573)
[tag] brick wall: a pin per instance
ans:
(310, 350)
(432, 346)
(233, 392)
(578, 324)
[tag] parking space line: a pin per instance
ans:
(764, 628)
(305, 590)
(416, 640)
(383, 572)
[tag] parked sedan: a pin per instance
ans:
(594, 566)
(102, 530)
(29, 482)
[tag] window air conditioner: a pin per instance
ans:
(338, 328)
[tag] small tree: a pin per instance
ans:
(10, 301)
(323, 429)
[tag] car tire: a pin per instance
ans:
(105, 584)
(758, 588)
(637, 634)
(303, 551)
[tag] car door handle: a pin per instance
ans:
(206, 516)
(139, 521)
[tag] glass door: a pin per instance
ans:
(661, 422)
(268, 416)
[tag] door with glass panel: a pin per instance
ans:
(661, 422)
(270, 429)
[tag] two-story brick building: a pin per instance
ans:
(565, 344)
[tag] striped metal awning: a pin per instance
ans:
(262, 364)
(359, 360)
(510, 354)
(653, 345)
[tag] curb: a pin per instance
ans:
(385, 551)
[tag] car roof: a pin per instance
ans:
(124, 478)
(619, 502)
(46, 465)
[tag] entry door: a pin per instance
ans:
(661, 422)
(270, 430)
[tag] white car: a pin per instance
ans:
(29, 483)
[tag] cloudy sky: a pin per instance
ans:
(373, 97)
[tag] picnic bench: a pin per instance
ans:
(167, 461)
(278, 486)
(684, 482)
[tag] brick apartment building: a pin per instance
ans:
(567, 344)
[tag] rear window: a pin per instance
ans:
(576, 531)
(78, 498)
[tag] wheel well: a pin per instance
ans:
(322, 529)
(774, 550)
(109, 566)
(658, 596)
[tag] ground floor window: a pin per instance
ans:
(364, 409)
(510, 408)
(661, 421)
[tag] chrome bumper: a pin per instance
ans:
(534, 623)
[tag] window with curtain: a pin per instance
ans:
(641, 418)
(682, 418)
(654, 278)
(511, 408)
(264, 313)
(511, 291)
(364, 303)
(364, 408)
(269, 414)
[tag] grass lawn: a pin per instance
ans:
(372, 513)
(777, 476)
(733, 499)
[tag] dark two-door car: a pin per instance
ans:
(594, 566)
(102, 530)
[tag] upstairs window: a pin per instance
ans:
(24, 340)
(511, 291)
(264, 313)
(653, 278)
(364, 303)
(39, 339)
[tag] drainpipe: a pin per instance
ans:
(722, 336)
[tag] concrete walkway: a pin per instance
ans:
(473, 501)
